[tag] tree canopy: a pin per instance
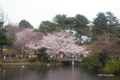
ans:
(25, 24)
(5, 40)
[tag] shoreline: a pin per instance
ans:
(30, 64)
(25, 62)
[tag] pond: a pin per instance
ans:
(52, 73)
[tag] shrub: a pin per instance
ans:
(53, 59)
(95, 63)
(43, 58)
(32, 59)
(15, 58)
(92, 61)
(112, 66)
(85, 62)
(86, 59)
(0, 63)
(42, 55)
(84, 65)
(103, 58)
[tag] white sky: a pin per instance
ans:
(35, 11)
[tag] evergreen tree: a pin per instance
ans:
(5, 40)
(70, 23)
(112, 21)
(47, 26)
(100, 24)
(60, 21)
(81, 26)
(42, 55)
(25, 24)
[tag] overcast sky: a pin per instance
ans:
(35, 11)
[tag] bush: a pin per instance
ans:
(32, 59)
(85, 62)
(15, 58)
(53, 59)
(42, 55)
(43, 58)
(112, 66)
(103, 58)
(0, 63)
(92, 61)
(84, 65)
(86, 59)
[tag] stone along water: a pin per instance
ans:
(52, 73)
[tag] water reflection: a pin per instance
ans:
(51, 73)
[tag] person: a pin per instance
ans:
(24, 51)
(70, 55)
(34, 51)
(64, 55)
(81, 56)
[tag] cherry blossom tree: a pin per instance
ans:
(12, 30)
(58, 41)
(27, 36)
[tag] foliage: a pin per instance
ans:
(53, 59)
(112, 66)
(25, 24)
(60, 21)
(32, 59)
(92, 61)
(107, 42)
(5, 40)
(0, 63)
(85, 62)
(27, 36)
(43, 49)
(36, 30)
(100, 25)
(112, 21)
(80, 26)
(103, 57)
(42, 55)
(47, 26)
(12, 30)
(15, 58)
(84, 65)
(56, 42)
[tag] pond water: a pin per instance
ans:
(52, 73)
